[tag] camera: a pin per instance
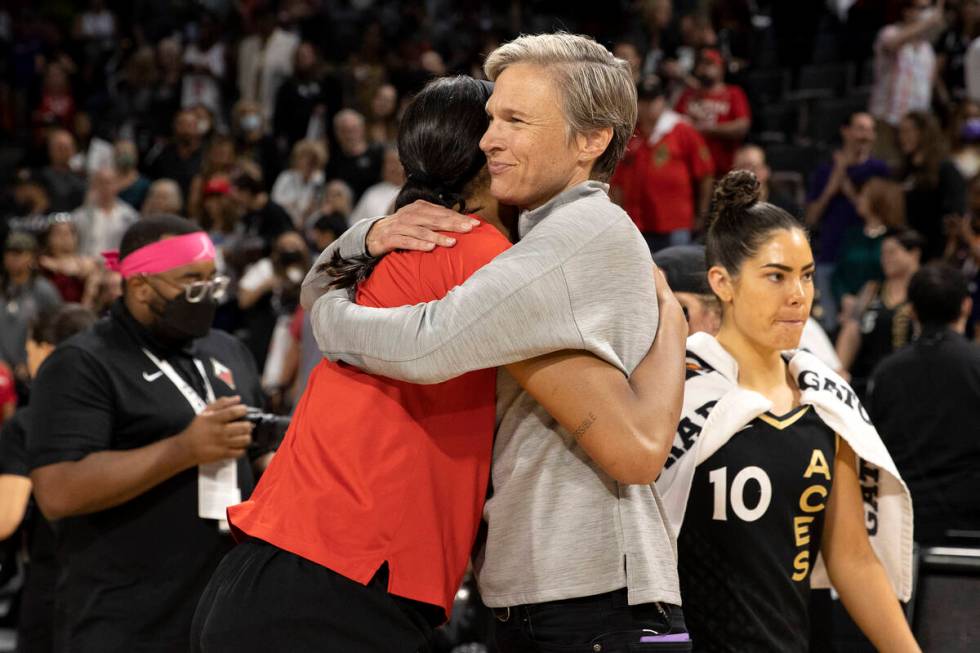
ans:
(269, 429)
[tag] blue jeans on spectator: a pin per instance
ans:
(604, 622)
(657, 242)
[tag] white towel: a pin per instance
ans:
(716, 408)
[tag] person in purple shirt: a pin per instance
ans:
(831, 202)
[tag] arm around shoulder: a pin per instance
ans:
(514, 308)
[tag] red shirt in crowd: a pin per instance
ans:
(374, 470)
(716, 108)
(8, 390)
(55, 109)
(657, 180)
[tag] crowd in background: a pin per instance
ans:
(273, 126)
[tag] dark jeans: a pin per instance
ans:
(604, 623)
(262, 599)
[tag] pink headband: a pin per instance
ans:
(162, 255)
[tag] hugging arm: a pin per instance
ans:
(414, 226)
(515, 308)
(625, 425)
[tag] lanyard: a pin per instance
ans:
(194, 399)
(217, 483)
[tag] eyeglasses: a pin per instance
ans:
(198, 290)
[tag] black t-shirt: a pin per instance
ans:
(925, 401)
(132, 575)
(926, 206)
(953, 45)
(169, 164)
(360, 172)
(752, 532)
(34, 630)
(296, 100)
(884, 330)
(66, 190)
(267, 224)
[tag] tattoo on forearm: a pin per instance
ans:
(584, 426)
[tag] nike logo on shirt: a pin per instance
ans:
(152, 377)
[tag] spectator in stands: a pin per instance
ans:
(269, 291)
(905, 65)
(831, 202)
(180, 159)
(133, 186)
(93, 152)
(219, 161)
(219, 216)
(122, 418)
(753, 159)
(356, 162)
(299, 189)
(23, 295)
(378, 199)
(963, 252)
(168, 85)
(696, 34)
(972, 71)
(964, 139)
(925, 401)
(665, 179)
(29, 197)
(951, 49)
(718, 110)
(96, 26)
(662, 41)
(66, 190)
(382, 125)
(252, 139)
(75, 276)
(265, 60)
(934, 189)
(35, 627)
(164, 196)
(881, 205)
(262, 219)
(56, 107)
(629, 51)
(306, 101)
(878, 322)
(103, 218)
(204, 68)
(132, 91)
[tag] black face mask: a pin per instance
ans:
(181, 320)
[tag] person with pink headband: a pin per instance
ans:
(139, 444)
(164, 255)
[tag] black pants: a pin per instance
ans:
(263, 599)
(603, 623)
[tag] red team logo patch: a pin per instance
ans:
(223, 374)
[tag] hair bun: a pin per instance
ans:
(737, 192)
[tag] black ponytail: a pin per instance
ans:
(439, 148)
(439, 141)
